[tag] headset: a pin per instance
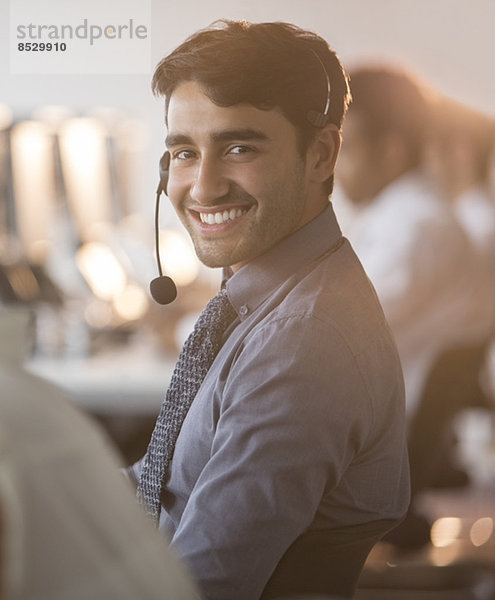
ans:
(163, 289)
(318, 119)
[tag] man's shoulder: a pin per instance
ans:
(336, 301)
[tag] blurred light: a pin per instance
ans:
(481, 531)
(178, 257)
(33, 169)
(108, 116)
(101, 231)
(441, 557)
(82, 135)
(445, 531)
(131, 141)
(52, 116)
(131, 304)
(6, 116)
(133, 135)
(101, 270)
(86, 172)
(41, 248)
(98, 314)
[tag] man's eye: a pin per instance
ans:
(240, 149)
(183, 155)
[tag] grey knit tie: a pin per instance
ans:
(193, 363)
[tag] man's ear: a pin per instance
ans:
(323, 152)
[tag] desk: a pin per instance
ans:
(124, 381)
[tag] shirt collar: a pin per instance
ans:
(253, 283)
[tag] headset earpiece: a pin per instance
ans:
(164, 169)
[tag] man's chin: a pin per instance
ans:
(214, 261)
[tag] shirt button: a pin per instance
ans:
(243, 311)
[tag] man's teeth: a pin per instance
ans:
(221, 217)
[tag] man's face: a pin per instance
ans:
(237, 180)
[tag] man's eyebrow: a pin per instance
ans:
(227, 135)
(174, 139)
(247, 134)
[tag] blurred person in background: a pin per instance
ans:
(412, 247)
(491, 166)
(456, 162)
(457, 159)
(69, 525)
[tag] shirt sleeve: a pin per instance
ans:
(291, 420)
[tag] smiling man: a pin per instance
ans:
(252, 189)
(290, 462)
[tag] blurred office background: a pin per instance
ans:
(78, 174)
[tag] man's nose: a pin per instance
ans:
(210, 182)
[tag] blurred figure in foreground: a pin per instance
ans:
(69, 526)
(407, 237)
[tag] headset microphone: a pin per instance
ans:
(163, 290)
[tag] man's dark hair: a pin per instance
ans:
(267, 65)
(392, 100)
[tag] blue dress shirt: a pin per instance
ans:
(299, 423)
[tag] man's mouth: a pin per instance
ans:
(217, 218)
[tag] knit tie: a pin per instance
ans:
(193, 364)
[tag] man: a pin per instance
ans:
(291, 461)
(415, 253)
(69, 526)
